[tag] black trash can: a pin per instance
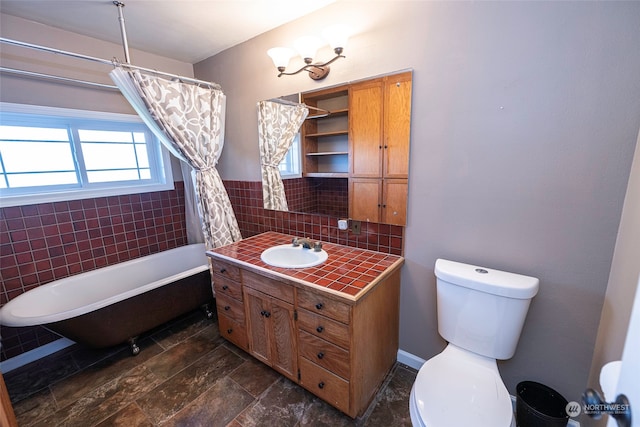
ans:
(540, 406)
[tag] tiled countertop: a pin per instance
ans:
(348, 272)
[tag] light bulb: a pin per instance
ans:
(280, 56)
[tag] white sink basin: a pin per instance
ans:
(289, 256)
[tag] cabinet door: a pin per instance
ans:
(257, 307)
(365, 129)
(394, 201)
(364, 199)
(283, 344)
(397, 125)
(271, 332)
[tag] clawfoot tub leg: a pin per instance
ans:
(208, 311)
(135, 350)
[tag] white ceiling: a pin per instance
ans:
(185, 30)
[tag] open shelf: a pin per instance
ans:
(332, 133)
(325, 138)
(326, 175)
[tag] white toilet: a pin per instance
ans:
(480, 313)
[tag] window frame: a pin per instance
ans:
(42, 115)
(294, 151)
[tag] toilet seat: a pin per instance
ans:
(460, 388)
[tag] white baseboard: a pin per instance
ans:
(35, 354)
(416, 362)
(410, 360)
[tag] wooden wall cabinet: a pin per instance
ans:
(379, 137)
(366, 136)
(378, 200)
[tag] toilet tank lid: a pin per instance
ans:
(488, 280)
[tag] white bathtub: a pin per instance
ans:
(115, 304)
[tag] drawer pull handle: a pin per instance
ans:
(320, 355)
(223, 270)
(226, 308)
(319, 306)
(229, 330)
(225, 287)
(320, 329)
(321, 385)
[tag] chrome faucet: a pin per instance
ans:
(307, 244)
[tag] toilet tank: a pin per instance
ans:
(480, 309)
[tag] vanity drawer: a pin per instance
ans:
(325, 354)
(230, 307)
(225, 269)
(321, 304)
(233, 331)
(278, 290)
(223, 286)
(324, 384)
(325, 328)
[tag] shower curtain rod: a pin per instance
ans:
(52, 77)
(325, 113)
(113, 62)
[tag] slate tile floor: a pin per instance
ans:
(185, 375)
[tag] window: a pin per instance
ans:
(290, 165)
(52, 154)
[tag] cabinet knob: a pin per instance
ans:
(262, 313)
(229, 330)
(321, 384)
(320, 355)
(223, 270)
(320, 329)
(267, 314)
(227, 308)
(225, 287)
(319, 306)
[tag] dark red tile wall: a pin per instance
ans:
(49, 241)
(246, 198)
(45, 242)
(325, 196)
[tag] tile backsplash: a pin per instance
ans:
(246, 198)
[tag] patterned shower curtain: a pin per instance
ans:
(189, 121)
(277, 128)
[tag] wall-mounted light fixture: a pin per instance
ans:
(306, 47)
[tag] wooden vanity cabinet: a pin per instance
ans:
(227, 286)
(348, 347)
(338, 348)
(270, 313)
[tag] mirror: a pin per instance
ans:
(355, 160)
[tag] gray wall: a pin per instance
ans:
(525, 118)
(23, 90)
